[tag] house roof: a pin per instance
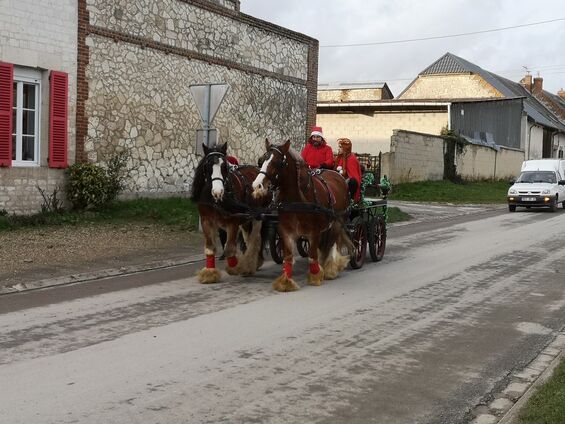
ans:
(452, 64)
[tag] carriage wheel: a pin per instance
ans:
(377, 238)
(276, 247)
(359, 240)
(303, 247)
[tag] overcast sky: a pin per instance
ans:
(541, 48)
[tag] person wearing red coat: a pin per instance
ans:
(348, 166)
(317, 153)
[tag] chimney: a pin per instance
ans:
(527, 82)
(561, 94)
(538, 85)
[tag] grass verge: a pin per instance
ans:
(397, 215)
(477, 192)
(547, 405)
(171, 211)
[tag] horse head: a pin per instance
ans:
(213, 167)
(275, 160)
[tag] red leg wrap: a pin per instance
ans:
(314, 268)
(287, 269)
(210, 261)
(232, 261)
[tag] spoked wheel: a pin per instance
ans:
(359, 240)
(303, 246)
(276, 246)
(377, 238)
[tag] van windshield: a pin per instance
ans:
(537, 177)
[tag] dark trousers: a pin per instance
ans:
(352, 186)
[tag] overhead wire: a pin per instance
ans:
(463, 34)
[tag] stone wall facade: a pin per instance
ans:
(39, 36)
(420, 157)
(371, 132)
(453, 86)
(352, 95)
(140, 59)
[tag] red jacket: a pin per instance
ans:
(317, 156)
(352, 170)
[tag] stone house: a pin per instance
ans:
(452, 79)
(451, 93)
(90, 78)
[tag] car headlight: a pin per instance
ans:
(545, 192)
(512, 191)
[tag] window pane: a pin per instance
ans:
(13, 147)
(15, 95)
(29, 96)
(28, 148)
(28, 126)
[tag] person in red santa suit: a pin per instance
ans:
(348, 166)
(317, 153)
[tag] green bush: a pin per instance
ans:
(90, 185)
(87, 185)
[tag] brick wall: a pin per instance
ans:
(40, 35)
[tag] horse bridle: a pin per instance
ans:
(278, 166)
(223, 156)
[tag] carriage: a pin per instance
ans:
(282, 193)
(366, 229)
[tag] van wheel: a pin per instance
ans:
(553, 206)
(512, 208)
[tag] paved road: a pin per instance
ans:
(422, 337)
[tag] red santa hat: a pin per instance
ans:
(317, 131)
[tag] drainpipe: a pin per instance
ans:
(529, 140)
(449, 116)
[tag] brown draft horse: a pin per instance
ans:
(222, 193)
(309, 206)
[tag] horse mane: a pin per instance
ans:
(198, 182)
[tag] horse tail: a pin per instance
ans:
(252, 259)
(332, 243)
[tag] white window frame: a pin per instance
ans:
(27, 76)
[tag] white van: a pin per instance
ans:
(541, 183)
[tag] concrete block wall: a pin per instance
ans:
(372, 133)
(508, 163)
(415, 157)
(420, 157)
(476, 162)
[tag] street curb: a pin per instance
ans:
(535, 374)
(98, 275)
(512, 414)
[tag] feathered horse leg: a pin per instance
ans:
(210, 274)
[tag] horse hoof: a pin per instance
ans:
(233, 270)
(285, 284)
(316, 279)
(209, 275)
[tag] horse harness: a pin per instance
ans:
(308, 207)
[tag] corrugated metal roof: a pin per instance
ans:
(451, 64)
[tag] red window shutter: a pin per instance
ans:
(58, 136)
(6, 100)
